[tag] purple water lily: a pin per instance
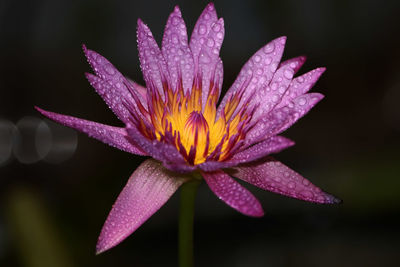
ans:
(175, 120)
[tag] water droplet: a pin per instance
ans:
(216, 27)
(210, 42)
(288, 74)
(300, 79)
(109, 69)
(202, 40)
(204, 58)
(206, 16)
(306, 182)
(202, 29)
(307, 194)
(302, 101)
(257, 58)
(220, 35)
(175, 21)
(293, 65)
(259, 71)
(282, 89)
(269, 48)
(268, 60)
(175, 39)
(275, 98)
(274, 86)
(291, 185)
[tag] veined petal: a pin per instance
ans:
(269, 146)
(147, 190)
(176, 51)
(273, 176)
(166, 153)
(152, 62)
(301, 85)
(257, 72)
(233, 194)
(113, 136)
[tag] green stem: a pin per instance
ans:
(186, 218)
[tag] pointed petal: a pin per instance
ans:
(200, 32)
(270, 125)
(296, 63)
(273, 176)
(166, 153)
(301, 85)
(259, 70)
(270, 96)
(147, 190)
(112, 96)
(176, 51)
(280, 119)
(233, 194)
(269, 146)
(111, 85)
(152, 62)
(209, 63)
(113, 136)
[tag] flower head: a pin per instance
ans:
(175, 120)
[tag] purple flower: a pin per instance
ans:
(175, 120)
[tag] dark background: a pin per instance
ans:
(57, 187)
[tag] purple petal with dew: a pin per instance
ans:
(113, 136)
(200, 32)
(147, 190)
(166, 153)
(141, 91)
(113, 96)
(209, 63)
(269, 146)
(273, 176)
(152, 62)
(257, 72)
(233, 194)
(301, 105)
(176, 51)
(266, 147)
(270, 96)
(269, 125)
(109, 74)
(295, 63)
(301, 85)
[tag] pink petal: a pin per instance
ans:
(273, 176)
(271, 145)
(152, 62)
(113, 136)
(166, 153)
(233, 194)
(301, 85)
(296, 63)
(257, 72)
(141, 91)
(147, 190)
(177, 52)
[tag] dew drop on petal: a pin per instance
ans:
(302, 101)
(269, 48)
(210, 42)
(307, 194)
(268, 60)
(291, 185)
(220, 35)
(288, 74)
(202, 29)
(216, 27)
(257, 58)
(204, 58)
